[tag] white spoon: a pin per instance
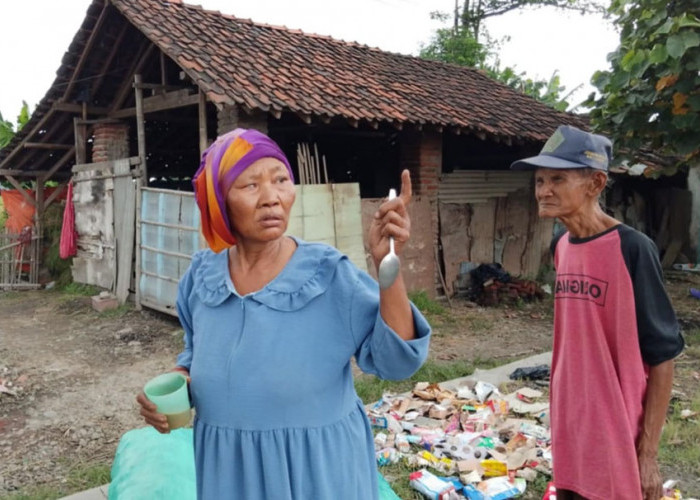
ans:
(389, 266)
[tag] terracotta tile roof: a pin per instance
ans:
(279, 69)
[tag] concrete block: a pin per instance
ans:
(104, 301)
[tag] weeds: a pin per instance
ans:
(80, 289)
(425, 304)
(116, 313)
(86, 476)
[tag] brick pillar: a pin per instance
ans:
(230, 117)
(421, 153)
(111, 141)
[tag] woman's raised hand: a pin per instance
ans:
(391, 219)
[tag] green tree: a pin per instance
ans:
(8, 129)
(650, 98)
(458, 45)
(475, 12)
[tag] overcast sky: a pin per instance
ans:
(36, 33)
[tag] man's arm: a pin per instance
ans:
(656, 402)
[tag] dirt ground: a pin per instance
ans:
(75, 372)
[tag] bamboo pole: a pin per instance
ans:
(318, 165)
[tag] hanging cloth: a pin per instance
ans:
(68, 245)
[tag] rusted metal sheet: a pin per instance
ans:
(478, 186)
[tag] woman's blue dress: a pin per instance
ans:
(277, 415)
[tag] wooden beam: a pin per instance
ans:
(134, 160)
(108, 61)
(163, 102)
(80, 147)
(19, 147)
(22, 173)
(86, 51)
(306, 118)
(140, 127)
(57, 166)
(161, 87)
(163, 74)
(137, 65)
(19, 188)
(70, 107)
(202, 112)
(53, 196)
(46, 145)
(277, 113)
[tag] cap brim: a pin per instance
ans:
(544, 161)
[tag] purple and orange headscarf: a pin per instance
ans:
(221, 164)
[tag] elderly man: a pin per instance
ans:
(615, 331)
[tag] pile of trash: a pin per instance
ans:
(469, 442)
(491, 285)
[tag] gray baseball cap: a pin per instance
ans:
(570, 147)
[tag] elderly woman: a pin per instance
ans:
(615, 332)
(271, 323)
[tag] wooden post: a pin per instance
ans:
(203, 142)
(80, 141)
(137, 284)
(141, 128)
(39, 214)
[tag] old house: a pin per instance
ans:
(146, 85)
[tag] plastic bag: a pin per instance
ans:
(148, 465)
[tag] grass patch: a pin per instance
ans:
(480, 324)
(86, 476)
(680, 442)
(36, 493)
(425, 304)
(371, 388)
(116, 313)
(692, 341)
(80, 289)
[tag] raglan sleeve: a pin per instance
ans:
(659, 333)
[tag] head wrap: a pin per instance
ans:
(221, 164)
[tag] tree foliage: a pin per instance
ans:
(8, 129)
(474, 12)
(650, 98)
(459, 46)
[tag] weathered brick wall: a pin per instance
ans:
(421, 154)
(110, 142)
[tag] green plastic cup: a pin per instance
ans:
(169, 393)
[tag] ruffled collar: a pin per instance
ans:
(307, 275)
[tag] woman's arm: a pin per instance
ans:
(392, 220)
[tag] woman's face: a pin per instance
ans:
(260, 200)
(562, 192)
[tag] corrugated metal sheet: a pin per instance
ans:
(478, 186)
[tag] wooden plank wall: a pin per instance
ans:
(418, 259)
(331, 214)
(506, 230)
